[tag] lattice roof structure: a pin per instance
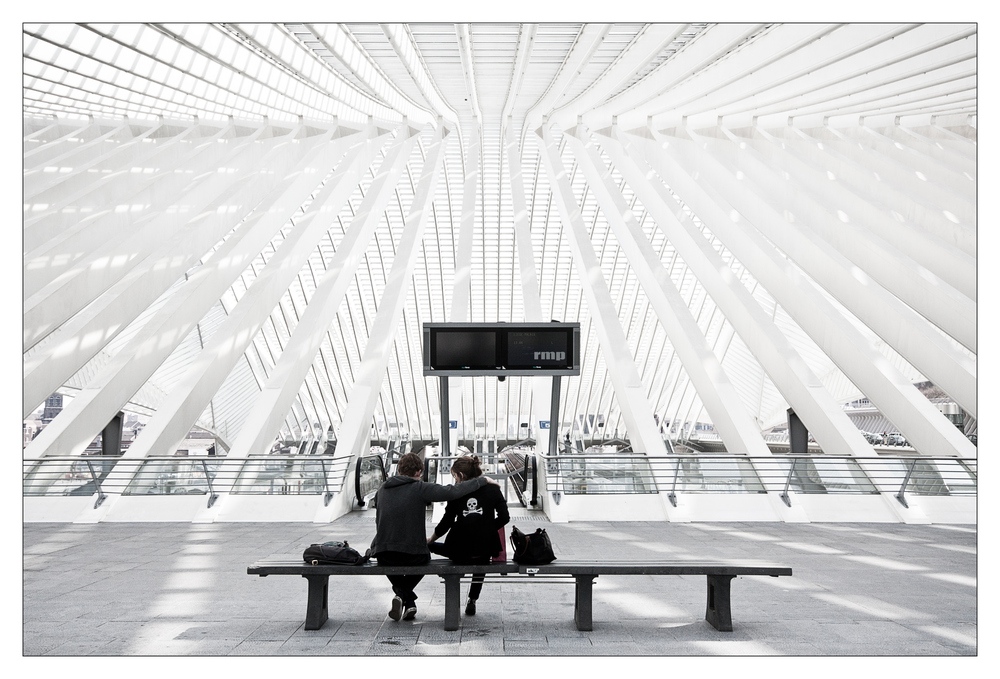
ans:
(242, 227)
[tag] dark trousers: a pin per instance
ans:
(477, 579)
(403, 585)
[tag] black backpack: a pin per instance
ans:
(334, 552)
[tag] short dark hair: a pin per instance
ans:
(467, 466)
(409, 465)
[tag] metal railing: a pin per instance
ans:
(566, 474)
(630, 473)
(184, 475)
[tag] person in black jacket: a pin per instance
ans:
(400, 531)
(472, 523)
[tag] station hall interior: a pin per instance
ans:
(239, 239)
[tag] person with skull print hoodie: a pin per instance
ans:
(472, 524)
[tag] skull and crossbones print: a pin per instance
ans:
(472, 507)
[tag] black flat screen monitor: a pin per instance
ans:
(464, 349)
(540, 349)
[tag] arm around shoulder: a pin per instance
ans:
(435, 492)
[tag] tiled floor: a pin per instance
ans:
(162, 589)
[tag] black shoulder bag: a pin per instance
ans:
(532, 549)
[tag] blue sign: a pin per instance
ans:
(544, 424)
(452, 424)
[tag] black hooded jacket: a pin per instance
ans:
(472, 522)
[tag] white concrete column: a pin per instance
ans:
(716, 392)
(631, 394)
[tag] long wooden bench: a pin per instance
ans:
(717, 609)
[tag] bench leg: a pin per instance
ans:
(316, 605)
(583, 606)
(717, 610)
(452, 595)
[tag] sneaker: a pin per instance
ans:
(410, 612)
(470, 607)
(396, 612)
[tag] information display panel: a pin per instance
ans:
(538, 348)
(464, 349)
(501, 349)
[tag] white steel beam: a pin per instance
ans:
(586, 43)
(950, 167)
(153, 175)
(813, 204)
(945, 147)
(72, 430)
(714, 389)
(706, 189)
(635, 408)
(541, 387)
(898, 325)
(283, 384)
(847, 183)
(522, 232)
(56, 171)
(651, 40)
(79, 339)
(939, 180)
(221, 179)
(750, 67)
(897, 184)
(708, 47)
(112, 181)
(793, 378)
(462, 285)
(352, 437)
(461, 290)
(185, 403)
(401, 40)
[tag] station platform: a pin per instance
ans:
(181, 589)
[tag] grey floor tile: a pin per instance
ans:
(858, 589)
